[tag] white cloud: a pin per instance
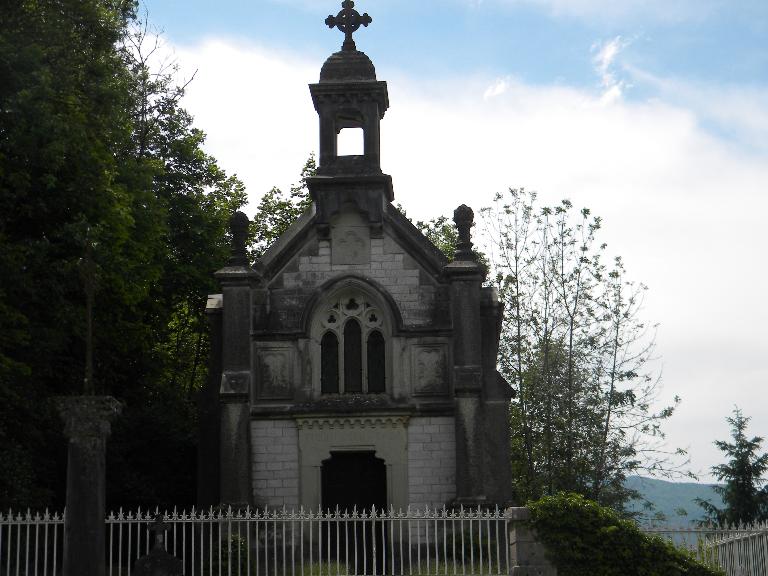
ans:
(738, 112)
(685, 208)
(604, 59)
(499, 87)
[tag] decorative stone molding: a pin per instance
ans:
(235, 382)
(467, 380)
(347, 422)
(88, 417)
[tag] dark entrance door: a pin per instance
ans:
(355, 481)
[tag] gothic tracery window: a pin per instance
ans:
(352, 348)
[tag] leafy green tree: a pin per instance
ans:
(64, 122)
(97, 155)
(277, 210)
(577, 352)
(745, 498)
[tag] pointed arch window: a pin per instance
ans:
(329, 363)
(376, 365)
(353, 365)
(352, 348)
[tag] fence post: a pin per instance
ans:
(527, 555)
(87, 425)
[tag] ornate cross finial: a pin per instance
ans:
(348, 20)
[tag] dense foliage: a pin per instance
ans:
(277, 210)
(97, 156)
(584, 538)
(744, 496)
(576, 350)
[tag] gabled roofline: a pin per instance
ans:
(416, 243)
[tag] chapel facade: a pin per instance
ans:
(354, 364)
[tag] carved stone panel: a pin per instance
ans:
(350, 246)
(275, 372)
(429, 370)
(350, 240)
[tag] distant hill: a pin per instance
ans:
(669, 497)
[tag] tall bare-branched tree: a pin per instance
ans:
(577, 351)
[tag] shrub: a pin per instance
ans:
(585, 539)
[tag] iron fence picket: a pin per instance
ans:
(738, 550)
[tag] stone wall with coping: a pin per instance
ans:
(275, 463)
(431, 461)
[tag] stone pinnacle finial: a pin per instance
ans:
(348, 20)
(464, 217)
(238, 225)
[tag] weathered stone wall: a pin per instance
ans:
(431, 461)
(275, 462)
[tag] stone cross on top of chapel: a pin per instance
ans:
(348, 20)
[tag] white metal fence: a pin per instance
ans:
(280, 543)
(739, 550)
(31, 544)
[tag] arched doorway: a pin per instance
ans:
(353, 480)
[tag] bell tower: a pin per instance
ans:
(348, 95)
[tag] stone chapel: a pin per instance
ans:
(354, 364)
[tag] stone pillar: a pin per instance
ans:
(497, 394)
(87, 425)
(527, 555)
(466, 278)
(237, 281)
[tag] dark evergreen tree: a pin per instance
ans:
(745, 498)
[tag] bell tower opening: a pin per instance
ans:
(351, 142)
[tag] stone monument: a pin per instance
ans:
(158, 562)
(87, 425)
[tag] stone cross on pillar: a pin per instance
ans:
(159, 562)
(158, 528)
(348, 20)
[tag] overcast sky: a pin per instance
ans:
(653, 113)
